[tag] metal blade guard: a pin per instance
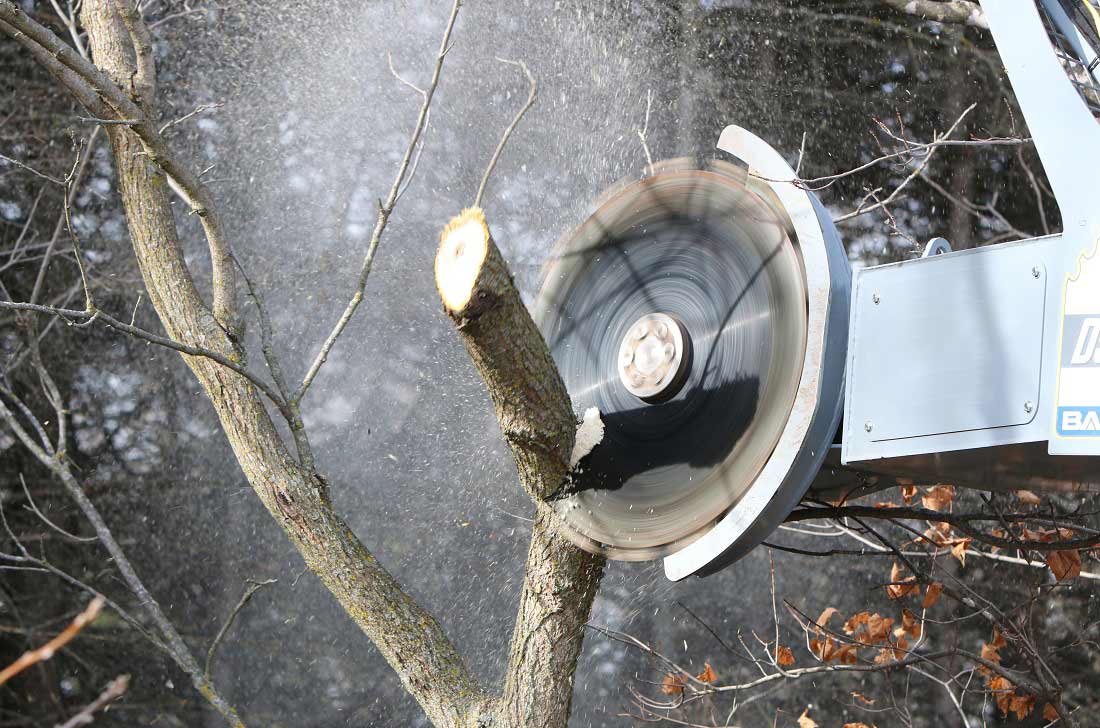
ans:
(704, 311)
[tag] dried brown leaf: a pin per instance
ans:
(1064, 564)
(939, 498)
(784, 657)
(1021, 705)
(910, 624)
(845, 653)
(805, 721)
(878, 628)
(856, 621)
(932, 595)
(899, 587)
(959, 547)
(826, 616)
(1002, 691)
(672, 684)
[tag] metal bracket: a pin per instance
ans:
(936, 246)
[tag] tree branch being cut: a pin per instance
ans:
(537, 420)
(506, 347)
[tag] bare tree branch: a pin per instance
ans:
(917, 170)
(961, 521)
(114, 690)
(86, 317)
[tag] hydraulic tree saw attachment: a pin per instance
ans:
(709, 312)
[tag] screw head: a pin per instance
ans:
(868, 425)
(875, 297)
(1035, 272)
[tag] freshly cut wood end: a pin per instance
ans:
(463, 246)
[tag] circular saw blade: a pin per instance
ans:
(692, 242)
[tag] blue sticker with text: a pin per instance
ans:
(1079, 421)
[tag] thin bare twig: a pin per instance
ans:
(534, 88)
(47, 521)
(291, 409)
(920, 167)
(49, 649)
(71, 316)
(114, 690)
(32, 170)
(253, 587)
(643, 133)
(385, 209)
(195, 112)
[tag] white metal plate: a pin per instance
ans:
(945, 352)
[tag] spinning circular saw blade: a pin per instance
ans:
(678, 309)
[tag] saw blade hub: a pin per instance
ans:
(653, 357)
